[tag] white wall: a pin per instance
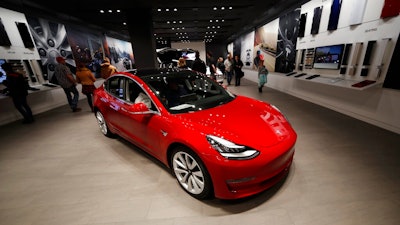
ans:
(376, 105)
(17, 49)
(373, 104)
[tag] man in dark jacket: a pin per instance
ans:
(18, 86)
(198, 64)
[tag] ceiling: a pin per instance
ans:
(217, 21)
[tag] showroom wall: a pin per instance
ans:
(356, 90)
(32, 51)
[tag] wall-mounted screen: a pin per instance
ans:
(3, 75)
(25, 35)
(328, 57)
(4, 39)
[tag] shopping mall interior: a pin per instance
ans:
(61, 169)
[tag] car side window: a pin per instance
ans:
(115, 86)
(135, 94)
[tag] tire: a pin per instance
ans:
(103, 125)
(191, 173)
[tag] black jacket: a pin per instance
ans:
(199, 66)
(16, 84)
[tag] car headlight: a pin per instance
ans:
(231, 150)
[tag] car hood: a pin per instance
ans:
(243, 121)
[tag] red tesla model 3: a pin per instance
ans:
(216, 143)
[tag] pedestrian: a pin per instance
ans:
(85, 76)
(262, 74)
(237, 67)
(17, 86)
(220, 65)
(229, 68)
(68, 83)
(198, 64)
(107, 69)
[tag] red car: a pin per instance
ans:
(217, 144)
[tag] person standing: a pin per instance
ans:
(228, 68)
(262, 74)
(18, 86)
(237, 66)
(107, 69)
(87, 79)
(68, 83)
(210, 61)
(198, 64)
(220, 65)
(256, 60)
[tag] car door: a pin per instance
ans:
(115, 101)
(139, 128)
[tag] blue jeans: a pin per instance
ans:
(72, 96)
(229, 75)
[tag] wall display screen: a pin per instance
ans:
(4, 39)
(328, 57)
(302, 25)
(334, 16)
(316, 20)
(3, 75)
(392, 79)
(25, 35)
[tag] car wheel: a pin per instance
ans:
(103, 124)
(191, 174)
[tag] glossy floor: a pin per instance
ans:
(62, 170)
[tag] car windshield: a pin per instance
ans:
(187, 91)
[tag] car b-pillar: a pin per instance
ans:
(140, 25)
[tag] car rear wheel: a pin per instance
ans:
(103, 124)
(191, 173)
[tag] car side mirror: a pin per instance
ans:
(140, 108)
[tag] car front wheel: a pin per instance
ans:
(191, 173)
(103, 124)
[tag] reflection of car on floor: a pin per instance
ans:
(217, 144)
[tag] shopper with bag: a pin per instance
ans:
(237, 67)
(262, 75)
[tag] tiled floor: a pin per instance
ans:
(62, 171)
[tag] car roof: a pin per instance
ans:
(159, 71)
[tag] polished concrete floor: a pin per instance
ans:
(62, 171)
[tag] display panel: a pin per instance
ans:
(316, 20)
(4, 39)
(25, 35)
(3, 75)
(334, 16)
(328, 57)
(302, 25)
